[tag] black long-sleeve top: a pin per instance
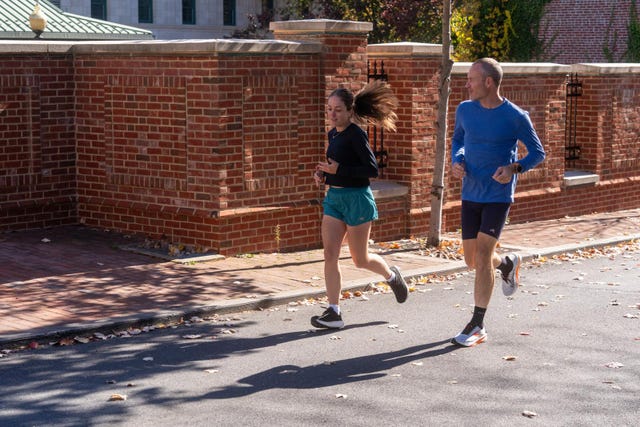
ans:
(357, 163)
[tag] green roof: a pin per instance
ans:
(14, 24)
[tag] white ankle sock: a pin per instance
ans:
(335, 308)
(393, 276)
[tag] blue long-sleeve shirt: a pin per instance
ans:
(485, 139)
(357, 163)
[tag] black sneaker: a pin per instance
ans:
(329, 320)
(399, 286)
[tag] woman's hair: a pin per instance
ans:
(374, 104)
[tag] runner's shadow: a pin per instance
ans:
(331, 373)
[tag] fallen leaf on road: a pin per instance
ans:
(509, 358)
(191, 337)
(614, 365)
(115, 397)
(341, 396)
(630, 316)
(529, 414)
(211, 371)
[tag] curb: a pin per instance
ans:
(249, 304)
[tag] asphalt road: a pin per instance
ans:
(564, 351)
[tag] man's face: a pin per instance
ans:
(477, 84)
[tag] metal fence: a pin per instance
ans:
(375, 71)
(571, 147)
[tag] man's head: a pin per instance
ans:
(484, 78)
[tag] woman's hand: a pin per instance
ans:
(318, 177)
(331, 166)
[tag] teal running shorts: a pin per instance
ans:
(353, 206)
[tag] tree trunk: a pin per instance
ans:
(437, 187)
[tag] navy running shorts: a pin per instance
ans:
(488, 218)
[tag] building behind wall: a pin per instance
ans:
(174, 19)
(586, 30)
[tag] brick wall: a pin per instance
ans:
(580, 30)
(214, 143)
(188, 146)
(37, 153)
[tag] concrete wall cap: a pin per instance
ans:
(404, 49)
(197, 46)
(519, 68)
(24, 46)
(598, 69)
(308, 26)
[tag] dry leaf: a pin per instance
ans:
(341, 396)
(192, 337)
(509, 358)
(614, 365)
(529, 414)
(116, 397)
(65, 341)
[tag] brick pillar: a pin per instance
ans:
(344, 60)
(413, 72)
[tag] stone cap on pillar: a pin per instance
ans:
(320, 26)
(405, 49)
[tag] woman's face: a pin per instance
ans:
(337, 113)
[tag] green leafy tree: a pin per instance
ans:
(633, 35)
(507, 30)
(394, 20)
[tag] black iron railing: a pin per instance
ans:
(571, 147)
(376, 71)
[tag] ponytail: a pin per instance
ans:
(375, 104)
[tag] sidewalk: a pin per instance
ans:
(70, 280)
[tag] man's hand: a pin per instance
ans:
(458, 170)
(503, 174)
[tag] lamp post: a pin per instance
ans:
(37, 20)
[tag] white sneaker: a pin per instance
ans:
(470, 338)
(511, 279)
